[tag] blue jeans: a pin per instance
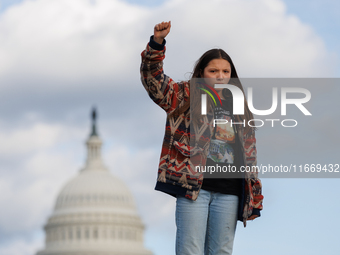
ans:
(206, 226)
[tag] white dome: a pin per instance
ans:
(96, 191)
(95, 213)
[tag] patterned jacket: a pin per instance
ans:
(176, 175)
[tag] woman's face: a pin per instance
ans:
(217, 71)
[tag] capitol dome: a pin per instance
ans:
(95, 213)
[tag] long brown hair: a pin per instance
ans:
(200, 65)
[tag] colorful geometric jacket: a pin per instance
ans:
(176, 175)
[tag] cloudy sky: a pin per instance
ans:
(59, 58)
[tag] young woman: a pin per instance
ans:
(207, 209)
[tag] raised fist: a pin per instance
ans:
(160, 31)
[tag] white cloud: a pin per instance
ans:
(27, 139)
(78, 40)
(58, 39)
(263, 40)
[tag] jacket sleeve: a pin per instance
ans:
(162, 89)
(255, 182)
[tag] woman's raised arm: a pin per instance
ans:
(162, 89)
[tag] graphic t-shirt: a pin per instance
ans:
(224, 151)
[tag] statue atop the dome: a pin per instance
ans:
(94, 116)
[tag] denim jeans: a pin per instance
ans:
(206, 226)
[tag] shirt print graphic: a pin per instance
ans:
(221, 145)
